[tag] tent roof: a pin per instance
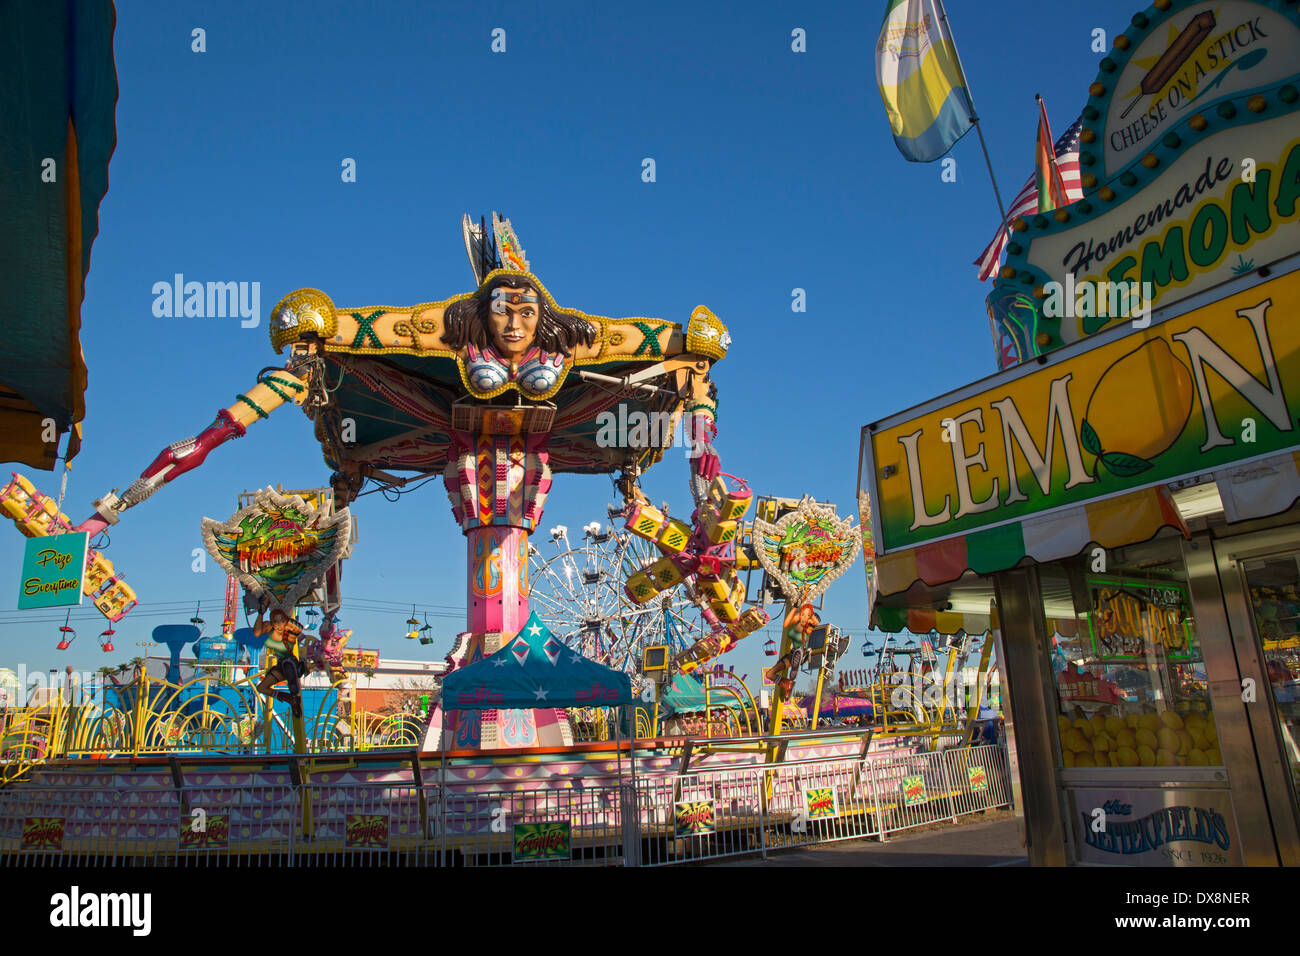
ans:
(535, 669)
(59, 97)
(685, 694)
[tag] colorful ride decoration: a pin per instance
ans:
(806, 549)
(498, 390)
(279, 547)
(703, 556)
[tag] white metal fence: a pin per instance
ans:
(700, 815)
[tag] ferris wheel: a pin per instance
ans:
(577, 591)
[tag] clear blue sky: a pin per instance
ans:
(775, 170)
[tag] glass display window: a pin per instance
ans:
(1127, 667)
(1273, 585)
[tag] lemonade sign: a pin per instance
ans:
(1130, 617)
(978, 779)
(1210, 388)
(1190, 172)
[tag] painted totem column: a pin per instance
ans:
(497, 483)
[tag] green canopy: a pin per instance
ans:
(58, 95)
(686, 695)
(535, 669)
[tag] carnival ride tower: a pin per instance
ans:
(494, 390)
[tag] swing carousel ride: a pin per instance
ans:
(498, 390)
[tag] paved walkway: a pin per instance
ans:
(981, 842)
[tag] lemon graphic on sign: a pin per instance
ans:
(1137, 409)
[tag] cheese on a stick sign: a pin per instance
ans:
(1189, 158)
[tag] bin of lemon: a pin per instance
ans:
(1171, 738)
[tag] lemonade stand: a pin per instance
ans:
(1118, 507)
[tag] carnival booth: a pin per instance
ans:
(1119, 508)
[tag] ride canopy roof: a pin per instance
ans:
(534, 670)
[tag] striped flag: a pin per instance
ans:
(1051, 189)
(1026, 202)
(921, 81)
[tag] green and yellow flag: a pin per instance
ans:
(921, 81)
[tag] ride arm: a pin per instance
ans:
(272, 390)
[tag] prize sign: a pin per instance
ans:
(52, 570)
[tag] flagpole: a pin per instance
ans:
(979, 131)
(974, 117)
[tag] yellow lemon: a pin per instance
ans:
(1068, 757)
(1064, 723)
(1113, 757)
(1101, 743)
(1075, 741)
(1150, 722)
(1084, 759)
(1197, 758)
(1170, 719)
(1114, 725)
(1149, 378)
(1166, 758)
(1126, 738)
(1131, 720)
(1169, 739)
(1146, 756)
(1084, 728)
(1194, 719)
(1098, 722)
(1186, 744)
(1211, 732)
(1199, 740)
(1147, 739)
(1214, 757)
(1127, 757)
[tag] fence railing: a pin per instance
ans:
(698, 815)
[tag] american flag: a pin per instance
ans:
(1026, 203)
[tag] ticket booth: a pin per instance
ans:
(1119, 506)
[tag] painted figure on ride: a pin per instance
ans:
(512, 332)
(798, 624)
(282, 641)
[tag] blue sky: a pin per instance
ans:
(775, 171)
